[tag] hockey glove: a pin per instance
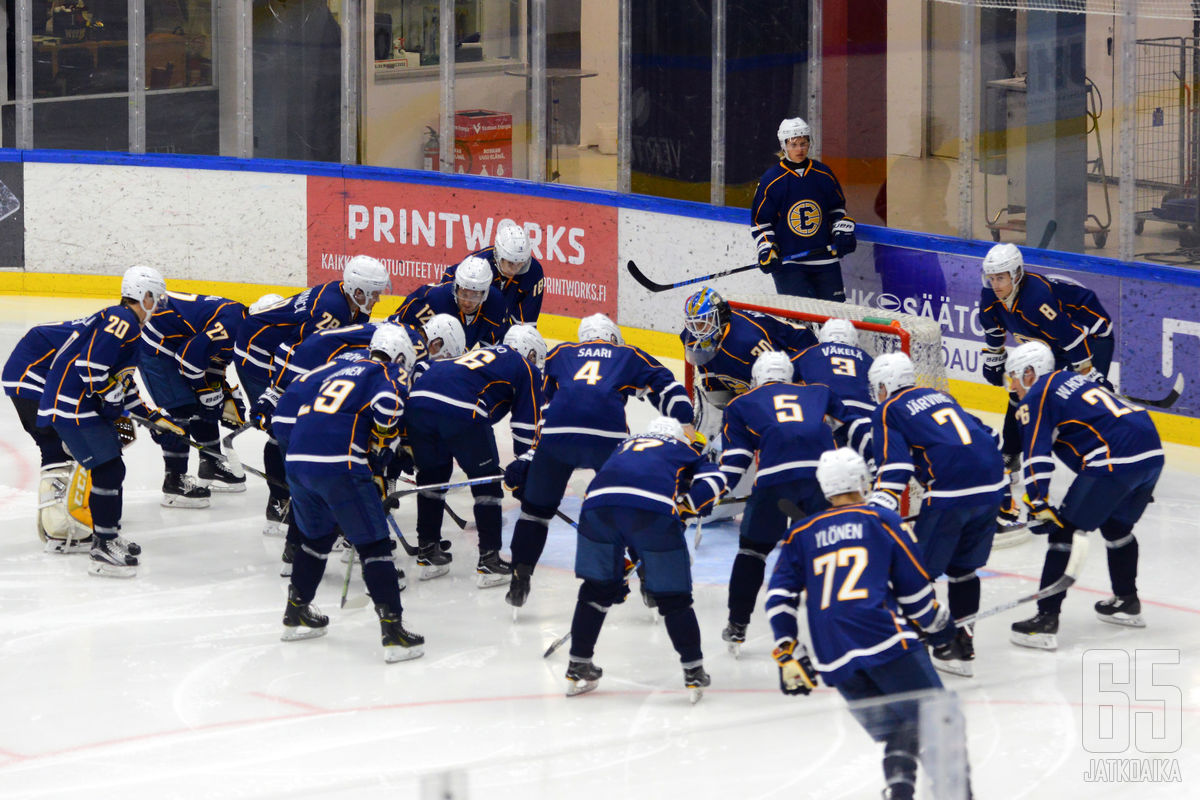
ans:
(211, 397)
(844, 240)
(166, 424)
(993, 365)
(941, 630)
(768, 260)
(884, 499)
(1043, 512)
(516, 473)
(403, 462)
(380, 451)
(232, 413)
(796, 673)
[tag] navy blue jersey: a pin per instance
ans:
(843, 368)
(300, 391)
(486, 326)
(1058, 313)
(784, 423)
(794, 208)
(954, 455)
(104, 349)
(748, 334)
(291, 320)
(294, 360)
(522, 293)
(196, 330)
(1086, 426)
(864, 581)
(29, 363)
(334, 429)
(650, 471)
(587, 383)
(485, 384)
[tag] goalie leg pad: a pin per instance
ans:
(52, 519)
(77, 536)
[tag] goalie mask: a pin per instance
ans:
(706, 315)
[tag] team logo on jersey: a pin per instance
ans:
(804, 218)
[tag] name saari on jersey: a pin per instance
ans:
(522, 293)
(487, 383)
(586, 385)
(650, 471)
(97, 354)
(953, 454)
(1060, 314)
(843, 368)
(198, 331)
(745, 337)
(1090, 430)
(25, 371)
(809, 199)
(486, 326)
(864, 581)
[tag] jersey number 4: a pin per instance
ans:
(853, 557)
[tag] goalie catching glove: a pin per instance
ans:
(796, 672)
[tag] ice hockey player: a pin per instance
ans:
(516, 275)
(1115, 451)
(869, 598)
(92, 375)
(781, 427)
(798, 220)
(450, 416)
(954, 457)
(290, 321)
(585, 389)
(24, 378)
(838, 362)
(444, 341)
(481, 311)
(339, 439)
(1067, 317)
(637, 500)
(186, 346)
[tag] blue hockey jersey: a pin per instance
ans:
(864, 581)
(294, 360)
(486, 326)
(1058, 313)
(196, 330)
(843, 368)
(522, 293)
(587, 383)
(291, 320)
(1086, 426)
(650, 471)
(300, 391)
(954, 455)
(104, 349)
(334, 430)
(29, 363)
(487, 383)
(748, 334)
(784, 423)
(794, 208)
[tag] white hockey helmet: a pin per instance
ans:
(472, 275)
(791, 128)
(598, 326)
(512, 244)
(842, 471)
(139, 281)
(449, 331)
(526, 340)
(1003, 258)
(771, 366)
(1036, 356)
(264, 302)
(366, 275)
(394, 342)
(841, 331)
(667, 426)
(892, 371)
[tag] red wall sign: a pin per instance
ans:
(417, 231)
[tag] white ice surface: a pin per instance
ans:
(175, 685)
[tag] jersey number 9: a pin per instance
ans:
(332, 396)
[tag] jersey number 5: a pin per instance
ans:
(853, 557)
(787, 409)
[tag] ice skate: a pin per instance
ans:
(179, 491)
(1125, 611)
(110, 559)
(215, 477)
(1039, 632)
(958, 656)
(66, 547)
(433, 561)
(398, 644)
(695, 679)
(491, 570)
(582, 676)
(518, 589)
(302, 620)
(734, 637)
(276, 515)
(289, 555)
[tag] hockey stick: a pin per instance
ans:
(408, 548)
(566, 519)
(1167, 401)
(438, 486)
(1048, 234)
(641, 278)
(459, 521)
(1079, 548)
(235, 461)
(148, 425)
(566, 637)
(346, 582)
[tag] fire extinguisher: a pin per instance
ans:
(430, 150)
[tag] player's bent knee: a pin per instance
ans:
(761, 548)
(320, 546)
(109, 475)
(600, 593)
(377, 549)
(670, 603)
